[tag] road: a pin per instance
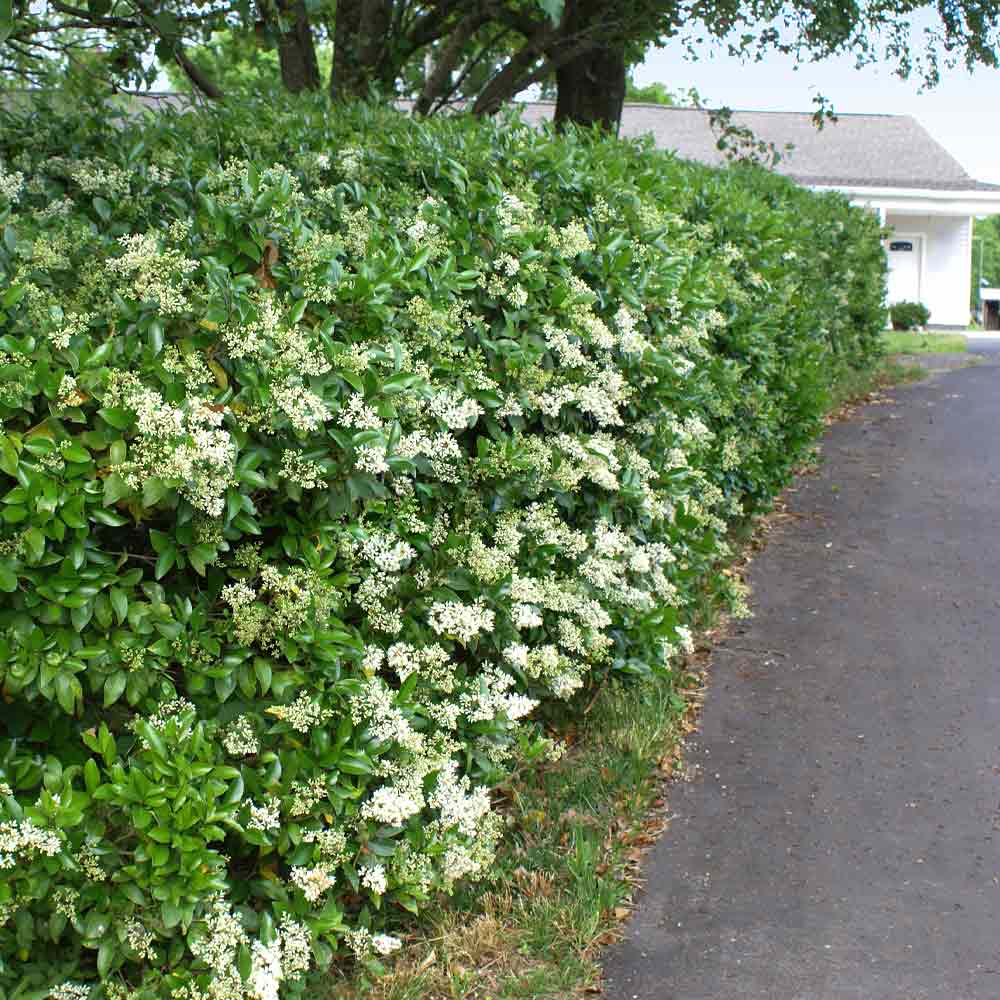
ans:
(840, 836)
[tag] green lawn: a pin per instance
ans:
(905, 342)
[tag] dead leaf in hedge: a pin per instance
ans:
(263, 273)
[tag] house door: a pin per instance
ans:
(904, 269)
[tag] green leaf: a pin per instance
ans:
(105, 957)
(172, 914)
(74, 453)
(160, 541)
(101, 207)
(72, 513)
(297, 311)
(114, 687)
(15, 293)
(153, 491)
(119, 601)
(80, 617)
(115, 488)
(68, 693)
(8, 580)
(6, 19)
(553, 9)
(35, 542)
(165, 563)
(118, 418)
(156, 336)
(8, 456)
(91, 775)
(421, 258)
(111, 519)
(356, 762)
(244, 963)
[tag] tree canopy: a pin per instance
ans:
(484, 52)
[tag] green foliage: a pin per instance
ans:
(658, 93)
(908, 315)
(334, 448)
(235, 60)
(985, 256)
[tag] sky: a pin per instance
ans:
(962, 112)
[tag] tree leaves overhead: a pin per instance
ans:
(483, 51)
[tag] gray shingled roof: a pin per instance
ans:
(853, 151)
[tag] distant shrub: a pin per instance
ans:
(332, 446)
(909, 315)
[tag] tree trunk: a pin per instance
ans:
(360, 42)
(591, 88)
(297, 50)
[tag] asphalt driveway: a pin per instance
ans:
(840, 836)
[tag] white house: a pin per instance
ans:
(886, 162)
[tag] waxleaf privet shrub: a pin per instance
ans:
(909, 315)
(334, 446)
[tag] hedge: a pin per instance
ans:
(334, 448)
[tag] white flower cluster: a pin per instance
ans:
(11, 184)
(140, 939)
(332, 844)
(286, 957)
(22, 840)
(375, 705)
(70, 991)
(460, 805)
(350, 160)
(460, 621)
(362, 942)
(302, 714)
(265, 818)
(386, 552)
(455, 411)
(393, 806)
(183, 446)
(239, 738)
(304, 472)
(153, 274)
(312, 882)
(513, 214)
(304, 409)
(373, 878)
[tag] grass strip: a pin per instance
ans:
(567, 873)
(907, 342)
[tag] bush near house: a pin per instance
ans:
(333, 448)
(909, 315)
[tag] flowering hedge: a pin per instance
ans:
(331, 447)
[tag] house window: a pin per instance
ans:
(898, 245)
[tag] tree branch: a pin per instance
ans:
(200, 80)
(446, 97)
(437, 82)
(508, 81)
